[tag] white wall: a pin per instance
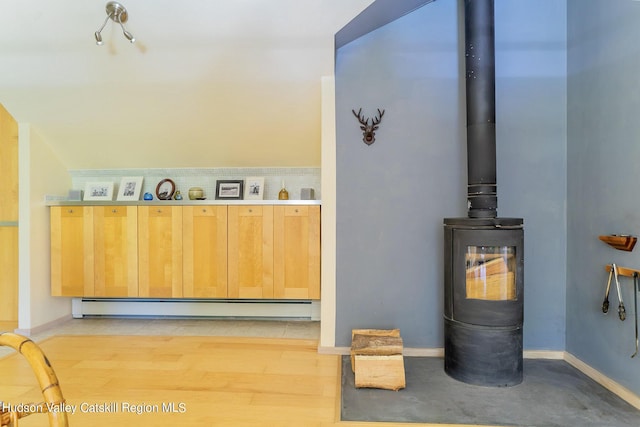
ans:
(41, 173)
(328, 313)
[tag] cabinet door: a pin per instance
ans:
(8, 221)
(297, 252)
(115, 235)
(9, 277)
(160, 251)
(8, 166)
(204, 237)
(72, 270)
(250, 251)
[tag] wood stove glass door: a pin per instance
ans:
(490, 273)
(488, 276)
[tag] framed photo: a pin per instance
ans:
(130, 188)
(229, 189)
(165, 189)
(95, 191)
(254, 188)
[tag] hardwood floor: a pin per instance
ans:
(184, 381)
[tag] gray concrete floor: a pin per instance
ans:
(552, 394)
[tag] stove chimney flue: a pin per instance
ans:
(482, 197)
(484, 254)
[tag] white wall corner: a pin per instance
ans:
(328, 185)
(24, 234)
(40, 173)
(44, 327)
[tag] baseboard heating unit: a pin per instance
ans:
(299, 309)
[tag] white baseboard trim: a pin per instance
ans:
(439, 352)
(423, 352)
(43, 328)
(340, 351)
(543, 354)
(409, 352)
(196, 308)
(614, 387)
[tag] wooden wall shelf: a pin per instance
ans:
(620, 242)
(623, 271)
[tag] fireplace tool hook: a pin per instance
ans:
(622, 314)
(616, 271)
(635, 306)
(605, 303)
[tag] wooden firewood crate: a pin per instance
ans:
(376, 358)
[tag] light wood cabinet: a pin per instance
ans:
(72, 252)
(250, 251)
(115, 251)
(296, 252)
(8, 278)
(94, 251)
(204, 241)
(191, 251)
(8, 221)
(8, 166)
(160, 251)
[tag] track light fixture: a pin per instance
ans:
(118, 14)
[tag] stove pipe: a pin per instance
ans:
(482, 200)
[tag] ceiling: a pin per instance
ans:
(208, 83)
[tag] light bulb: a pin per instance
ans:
(129, 36)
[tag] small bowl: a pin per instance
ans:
(196, 193)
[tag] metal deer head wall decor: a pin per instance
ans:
(368, 130)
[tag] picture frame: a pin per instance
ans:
(254, 188)
(130, 188)
(229, 189)
(165, 189)
(98, 191)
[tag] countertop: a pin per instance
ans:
(186, 202)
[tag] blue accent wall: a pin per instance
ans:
(393, 195)
(603, 175)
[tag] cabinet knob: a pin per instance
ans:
(204, 211)
(114, 211)
(250, 210)
(70, 211)
(296, 210)
(159, 211)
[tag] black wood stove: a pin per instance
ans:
(484, 260)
